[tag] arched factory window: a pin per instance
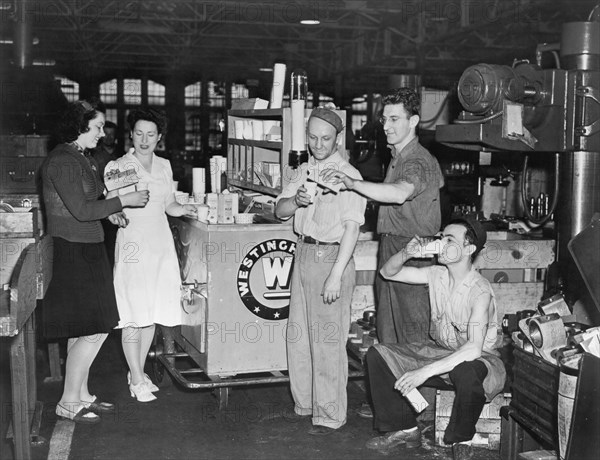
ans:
(132, 91)
(193, 98)
(69, 88)
(193, 95)
(156, 93)
(108, 91)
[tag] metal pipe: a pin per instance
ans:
(524, 201)
(23, 37)
(478, 120)
(580, 195)
(552, 47)
(580, 45)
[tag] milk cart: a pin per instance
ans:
(235, 304)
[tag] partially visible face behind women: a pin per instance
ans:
(95, 132)
(145, 137)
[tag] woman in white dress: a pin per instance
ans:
(146, 274)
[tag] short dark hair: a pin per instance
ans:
(157, 117)
(76, 118)
(110, 124)
(408, 97)
(474, 234)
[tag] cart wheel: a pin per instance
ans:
(161, 343)
(222, 395)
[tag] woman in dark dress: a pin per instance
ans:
(80, 301)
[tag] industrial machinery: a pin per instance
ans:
(527, 108)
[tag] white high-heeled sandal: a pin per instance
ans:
(153, 388)
(141, 392)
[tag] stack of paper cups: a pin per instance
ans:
(222, 166)
(218, 165)
(215, 176)
(278, 85)
(199, 181)
(298, 125)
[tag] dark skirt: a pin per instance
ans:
(80, 299)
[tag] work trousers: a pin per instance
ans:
(393, 412)
(317, 335)
(403, 310)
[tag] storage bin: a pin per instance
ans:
(535, 393)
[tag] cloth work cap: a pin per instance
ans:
(329, 116)
(478, 230)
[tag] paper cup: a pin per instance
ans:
(203, 212)
(311, 189)
(432, 247)
(182, 197)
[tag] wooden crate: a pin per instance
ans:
(488, 426)
(19, 224)
(521, 264)
(17, 231)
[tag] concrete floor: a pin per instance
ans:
(187, 424)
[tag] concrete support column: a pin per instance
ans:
(175, 108)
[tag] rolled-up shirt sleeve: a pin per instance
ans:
(416, 172)
(293, 180)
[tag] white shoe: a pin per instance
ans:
(141, 392)
(153, 388)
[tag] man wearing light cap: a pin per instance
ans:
(464, 328)
(327, 223)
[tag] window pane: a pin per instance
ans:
(132, 90)
(193, 140)
(193, 94)
(214, 141)
(213, 119)
(108, 91)
(112, 115)
(216, 94)
(239, 91)
(69, 88)
(156, 93)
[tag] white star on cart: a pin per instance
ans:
(256, 310)
(276, 315)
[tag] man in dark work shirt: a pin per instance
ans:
(409, 201)
(107, 149)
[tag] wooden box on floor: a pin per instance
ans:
(516, 267)
(488, 426)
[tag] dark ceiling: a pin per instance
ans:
(354, 49)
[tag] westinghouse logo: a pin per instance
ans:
(264, 276)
